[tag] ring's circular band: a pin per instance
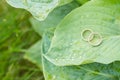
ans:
(84, 31)
(93, 35)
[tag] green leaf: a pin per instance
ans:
(53, 18)
(38, 8)
(99, 21)
(34, 54)
(94, 71)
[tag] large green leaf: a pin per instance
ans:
(94, 71)
(53, 18)
(38, 8)
(33, 54)
(68, 47)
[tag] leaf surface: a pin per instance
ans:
(99, 16)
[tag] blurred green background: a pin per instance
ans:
(16, 35)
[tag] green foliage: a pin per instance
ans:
(15, 37)
(78, 42)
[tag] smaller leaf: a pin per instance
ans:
(38, 8)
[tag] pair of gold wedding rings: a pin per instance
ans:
(91, 36)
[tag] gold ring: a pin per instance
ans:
(89, 37)
(93, 35)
